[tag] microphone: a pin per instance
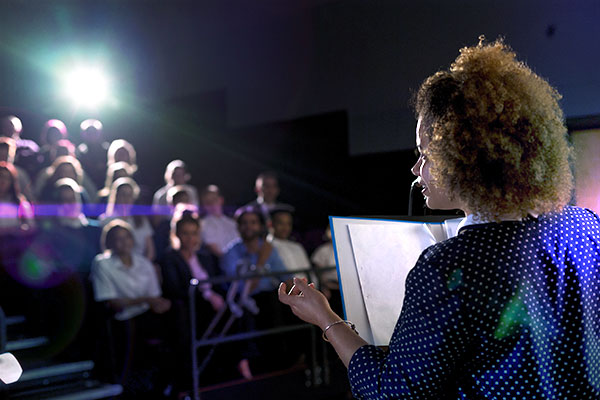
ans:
(411, 194)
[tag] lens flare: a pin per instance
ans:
(87, 86)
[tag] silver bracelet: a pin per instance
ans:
(341, 321)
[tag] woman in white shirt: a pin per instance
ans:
(123, 195)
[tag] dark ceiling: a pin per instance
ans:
(279, 60)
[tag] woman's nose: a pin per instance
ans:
(415, 168)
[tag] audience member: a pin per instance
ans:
(113, 172)
(16, 214)
(176, 174)
(11, 126)
(62, 167)
(8, 149)
(53, 131)
(64, 147)
(92, 153)
(127, 281)
(179, 194)
(258, 296)
(218, 230)
(123, 195)
(267, 193)
(292, 253)
(65, 245)
(162, 233)
(128, 284)
(120, 150)
(250, 252)
(26, 155)
(188, 258)
(69, 206)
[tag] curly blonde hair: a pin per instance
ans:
(498, 141)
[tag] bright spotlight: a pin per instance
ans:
(87, 86)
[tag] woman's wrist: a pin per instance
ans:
(329, 319)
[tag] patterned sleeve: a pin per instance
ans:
(426, 344)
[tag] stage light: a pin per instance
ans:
(87, 86)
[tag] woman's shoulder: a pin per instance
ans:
(570, 223)
(575, 213)
(102, 260)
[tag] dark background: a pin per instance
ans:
(317, 90)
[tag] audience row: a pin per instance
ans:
(81, 215)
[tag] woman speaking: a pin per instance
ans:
(510, 307)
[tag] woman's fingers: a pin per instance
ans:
(301, 284)
(283, 296)
(295, 291)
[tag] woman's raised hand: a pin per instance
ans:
(307, 303)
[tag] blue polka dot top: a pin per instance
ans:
(507, 310)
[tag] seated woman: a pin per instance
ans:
(16, 214)
(128, 284)
(8, 149)
(123, 195)
(175, 174)
(62, 167)
(113, 172)
(65, 244)
(53, 131)
(509, 308)
(120, 150)
(189, 258)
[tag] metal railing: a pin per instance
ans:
(223, 338)
(2, 331)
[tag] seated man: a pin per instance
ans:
(251, 253)
(218, 230)
(267, 193)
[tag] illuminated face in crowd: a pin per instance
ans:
(212, 203)
(268, 189)
(69, 206)
(125, 195)
(53, 135)
(179, 176)
(282, 225)
(189, 236)
(435, 198)
(181, 197)
(250, 226)
(66, 170)
(122, 154)
(123, 242)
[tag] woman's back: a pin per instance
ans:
(503, 310)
